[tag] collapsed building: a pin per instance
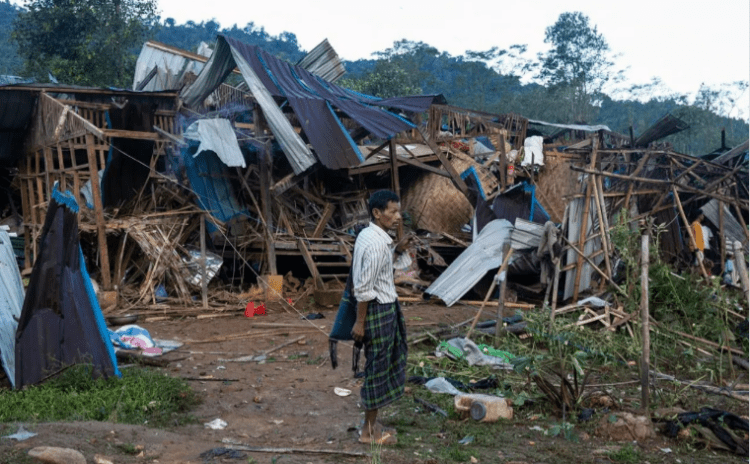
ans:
(231, 165)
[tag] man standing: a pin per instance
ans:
(380, 324)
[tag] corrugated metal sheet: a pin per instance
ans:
(526, 234)
(485, 254)
(314, 101)
(210, 181)
(665, 126)
(11, 302)
(221, 63)
(578, 127)
(216, 135)
(170, 64)
(323, 61)
(575, 217)
(732, 227)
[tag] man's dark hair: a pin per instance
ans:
(380, 199)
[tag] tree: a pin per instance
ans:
(10, 62)
(85, 42)
(387, 79)
(577, 66)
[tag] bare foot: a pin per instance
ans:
(380, 435)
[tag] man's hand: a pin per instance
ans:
(358, 331)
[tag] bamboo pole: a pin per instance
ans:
(204, 276)
(602, 229)
(486, 298)
(646, 342)
(507, 251)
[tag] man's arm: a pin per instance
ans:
(358, 331)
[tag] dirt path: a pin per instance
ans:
(286, 402)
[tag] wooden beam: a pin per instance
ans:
(324, 218)
(455, 176)
(310, 264)
(656, 181)
(99, 212)
(395, 184)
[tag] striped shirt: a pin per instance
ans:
(373, 264)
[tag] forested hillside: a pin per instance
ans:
(489, 81)
(10, 62)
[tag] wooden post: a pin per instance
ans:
(584, 223)
(722, 239)
(204, 273)
(602, 228)
(739, 256)
(264, 159)
(503, 276)
(99, 212)
(395, 187)
(503, 164)
(555, 285)
(645, 321)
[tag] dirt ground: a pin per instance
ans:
(286, 402)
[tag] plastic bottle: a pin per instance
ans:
(482, 408)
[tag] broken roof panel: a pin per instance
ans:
(11, 302)
(221, 63)
(578, 127)
(169, 64)
(316, 102)
(484, 254)
(216, 135)
(323, 61)
(665, 126)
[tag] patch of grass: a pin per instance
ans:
(141, 396)
(316, 360)
(17, 456)
(127, 448)
(628, 454)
